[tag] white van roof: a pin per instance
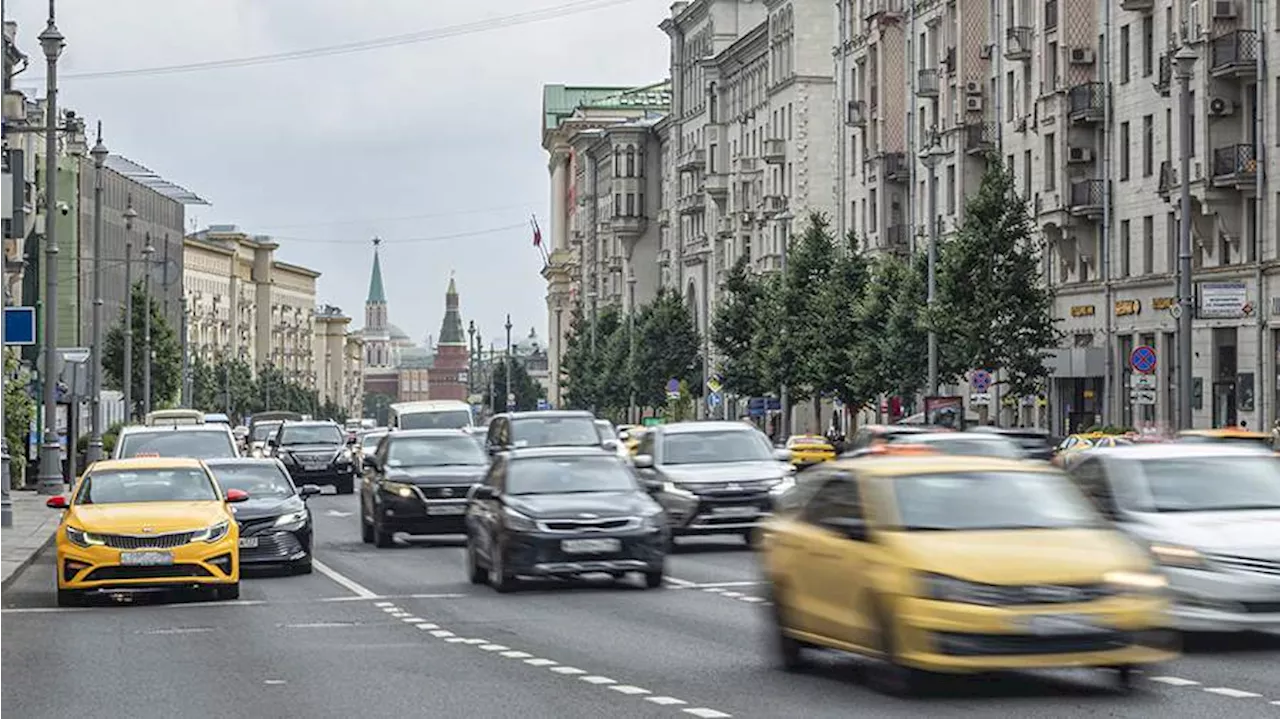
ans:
(429, 405)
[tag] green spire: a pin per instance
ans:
(377, 295)
(451, 332)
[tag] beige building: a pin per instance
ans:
(243, 303)
(339, 357)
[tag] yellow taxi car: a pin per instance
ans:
(807, 449)
(950, 564)
(147, 524)
(1232, 435)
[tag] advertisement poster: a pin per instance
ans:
(944, 412)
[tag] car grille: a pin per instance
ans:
(314, 458)
(157, 541)
(176, 571)
(1248, 564)
(279, 545)
(972, 645)
(730, 488)
(616, 524)
(450, 491)
(253, 526)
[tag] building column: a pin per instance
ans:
(559, 198)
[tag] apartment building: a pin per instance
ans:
(339, 357)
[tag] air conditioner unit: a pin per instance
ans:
(1224, 10)
(1079, 155)
(1082, 56)
(973, 103)
(1221, 107)
(973, 87)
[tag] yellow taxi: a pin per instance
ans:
(951, 564)
(807, 449)
(1232, 435)
(633, 436)
(147, 524)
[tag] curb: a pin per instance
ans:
(22, 568)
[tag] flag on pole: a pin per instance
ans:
(537, 232)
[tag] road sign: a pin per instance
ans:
(673, 386)
(544, 404)
(511, 401)
(1143, 359)
(19, 325)
(1143, 381)
(980, 398)
(1143, 396)
(713, 399)
(715, 383)
(980, 380)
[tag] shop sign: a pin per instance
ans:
(1223, 300)
(1082, 310)
(1128, 307)
(1164, 303)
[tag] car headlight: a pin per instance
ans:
(400, 489)
(344, 457)
(950, 589)
(516, 521)
(291, 521)
(1136, 582)
(1173, 555)
(781, 486)
(212, 533)
(255, 451)
(81, 538)
(653, 521)
(678, 490)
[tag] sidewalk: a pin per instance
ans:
(33, 528)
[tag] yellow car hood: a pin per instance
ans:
(159, 517)
(1028, 556)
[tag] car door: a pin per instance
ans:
(484, 516)
(1090, 476)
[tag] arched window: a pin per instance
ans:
(631, 161)
(617, 162)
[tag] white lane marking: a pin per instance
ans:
(708, 585)
(319, 625)
(629, 690)
(1229, 692)
(540, 662)
(732, 595)
(714, 590)
(680, 582)
(336, 513)
(236, 603)
(753, 600)
(382, 604)
(476, 642)
(494, 647)
(274, 682)
(1175, 681)
(442, 633)
(568, 670)
(428, 625)
(665, 701)
(446, 595)
(707, 713)
(516, 654)
(455, 640)
(1275, 704)
(355, 587)
(180, 630)
(598, 680)
(412, 620)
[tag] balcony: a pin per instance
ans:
(1235, 166)
(692, 160)
(894, 167)
(774, 151)
(689, 203)
(927, 82)
(697, 247)
(897, 239)
(615, 263)
(1138, 5)
(1086, 198)
(773, 204)
(979, 138)
(724, 226)
(1017, 43)
(716, 185)
(1164, 74)
(857, 113)
(747, 165)
(1084, 103)
(1234, 55)
(1168, 179)
(664, 257)
(627, 225)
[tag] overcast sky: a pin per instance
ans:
(417, 141)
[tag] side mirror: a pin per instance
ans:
(611, 444)
(308, 490)
(484, 491)
(643, 461)
(237, 495)
(58, 502)
(651, 485)
(848, 527)
(782, 454)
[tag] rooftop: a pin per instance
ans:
(147, 178)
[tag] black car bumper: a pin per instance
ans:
(724, 513)
(554, 555)
(261, 543)
(333, 475)
(415, 515)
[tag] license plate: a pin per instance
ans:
(146, 559)
(447, 509)
(1053, 625)
(248, 542)
(591, 546)
(314, 466)
(735, 511)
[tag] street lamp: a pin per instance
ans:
(634, 412)
(471, 359)
(147, 250)
(594, 296)
(931, 156)
(511, 396)
(1185, 61)
(785, 217)
(51, 42)
(126, 374)
(94, 452)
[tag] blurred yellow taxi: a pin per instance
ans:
(956, 564)
(1231, 435)
(807, 449)
(147, 524)
(633, 437)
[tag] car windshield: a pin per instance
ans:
(606, 431)
(311, 434)
(568, 475)
(434, 452)
(371, 440)
(554, 431)
(1209, 484)
(120, 486)
(447, 419)
(263, 430)
(177, 443)
(715, 447)
(973, 447)
(974, 501)
(261, 481)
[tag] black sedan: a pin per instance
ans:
(562, 512)
(316, 453)
(417, 482)
(275, 522)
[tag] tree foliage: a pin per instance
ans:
(166, 366)
(19, 409)
(736, 330)
(666, 347)
(526, 390)
(229, 385)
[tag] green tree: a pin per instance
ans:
(841, 368)
(894, 340)
(166, 365)
(735, 331)
(526, 390)
(807, 354)
(994, 312)
(666, 346)
(614, 371)
(378, 406)
(19, 408)
(588, 378)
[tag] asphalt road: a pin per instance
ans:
(399, 632)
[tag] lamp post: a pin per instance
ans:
(126, 373)
(94, 452)
(634, 412)
(147, 250)
(784, 400)
(1186, 62)
(594, 297)
(471, 359)
(52, 42)
(511, 396)
(931, 156)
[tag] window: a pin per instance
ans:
(1091, 478)
(837, 499)
(1026, 175)
(1124, 54)
(1124, 151)
(872, 209)
(1050, 162)
(1126, 248)
(631, 162)
(1148, 244)
(1009, 110)
(631, 204)
(1148, 145)
(1051, 66)
(1148, 45)
(1190, 121)
(951, 190)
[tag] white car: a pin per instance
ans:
(198, 441)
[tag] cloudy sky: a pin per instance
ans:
(412, 143)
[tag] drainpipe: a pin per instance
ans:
(1262, 383)
(1112, 386)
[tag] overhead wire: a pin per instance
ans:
(397, 218)
(406, 240)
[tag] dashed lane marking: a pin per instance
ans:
(666, 701)
(516, 654)
(540, 662)
(350, 584)
(572, 671)
(494, 648)
(679, 582)
(382, 604)
(1233, 693)
(707, 713)
(179, 630)
(234, 603)
(629, 690)
(1175, 681)
(592, 679)
(274, 682)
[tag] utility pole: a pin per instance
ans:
(784, 401)
(493, 400)
(187, 389)
(471, 359)
(931, 156)
(511, 405)
(94, 453)
(50, 482)
(126, 374)
(147, 250)
(1186, 63)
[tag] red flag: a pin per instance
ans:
(537, 233)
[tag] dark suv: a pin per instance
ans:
(528, 430)
(315, 453)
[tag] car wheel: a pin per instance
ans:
(381, 537)
(653, 579)
(790, 651)
(498, 577)
(227, 592)
(1124, 679)
(475, 573)
(69, 598)
(888, 676)
(346, 485)
(302, 566)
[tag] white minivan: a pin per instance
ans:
(431, 414)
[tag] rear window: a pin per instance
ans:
(448, 419)
(177, 443)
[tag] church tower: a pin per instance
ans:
(449, 370)
(377, 333)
